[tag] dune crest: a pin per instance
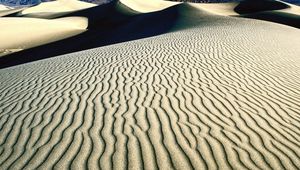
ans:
(3, 7)
(146, 6)
(252, 6)
(56, 8)
(5, 10)
(127, 20)
(225, 9)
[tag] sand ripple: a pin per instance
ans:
(218, 96)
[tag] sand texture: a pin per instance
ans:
(204, 98)
(210, 92)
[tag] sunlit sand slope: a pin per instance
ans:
(225, 94)
(56, 8)
(4, 10)
(148, 5)
(22, 33)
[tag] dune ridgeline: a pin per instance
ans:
(93, 26)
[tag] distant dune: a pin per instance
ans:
(3, 7)
(55, 9)
(37, 31)
(5, 10)
(131, 19)
(181, 87)
(31, 30)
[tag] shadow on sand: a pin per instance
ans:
(108, 24)
(268, 10)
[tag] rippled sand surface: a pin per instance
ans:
(224, 94)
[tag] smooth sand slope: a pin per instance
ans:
(225, 9)
(148, 5)
(5, 10)
(29, 29)
(56, 8)
(3, 7)
(22, 33)
(219, 93)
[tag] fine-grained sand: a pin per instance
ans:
(213, 93)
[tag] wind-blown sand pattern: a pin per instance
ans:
(216, 93)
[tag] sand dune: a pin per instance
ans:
(268, 10)
(5, 10)
(10, 11)
(109, 24)
(274, 11)
(131, 19)
(148, 5)
(3, 7)
(248, 7)
(225, 9)
(21, 33)
(212, 92)
(56, 8)
(252, 6)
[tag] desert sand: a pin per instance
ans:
(55, 9)
(22, 33)
(30, 28)
(210, 92)
(115, 23)
(5, 10)
(3, 7)
(148, 6)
